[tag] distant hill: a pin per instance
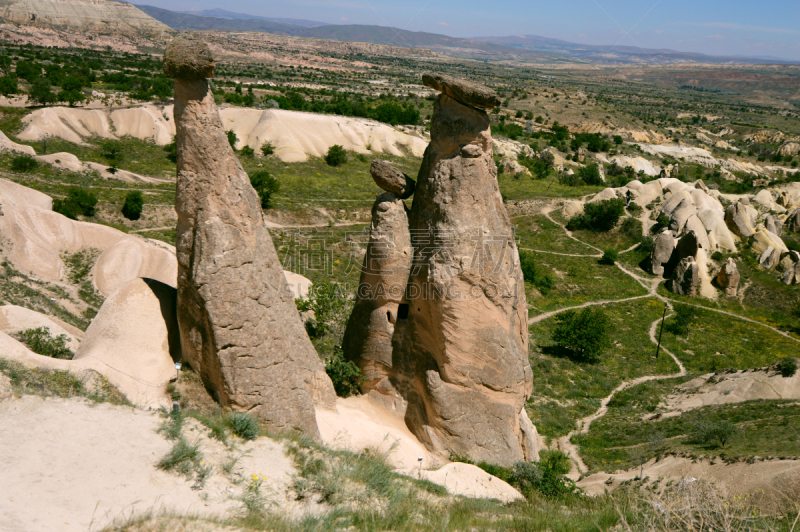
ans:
(221, 13)
(525, 47)
(621, 54)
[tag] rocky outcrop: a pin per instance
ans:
(392, 180)
(368, 336)
(240, 329)
(513, 168)
(739, 220)
(790, 265)
(103, 16)
(686, 278)
(462, 353)
(792, 222)
(663, 247)
(773, 224)
(728, 278)
(769, 258)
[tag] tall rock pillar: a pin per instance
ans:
(239, 327)
(464, 369)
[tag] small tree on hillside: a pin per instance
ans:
(232, 138)
(685, 317)
(585, 333)
(132, 208)
(265, 186)
(336, 156)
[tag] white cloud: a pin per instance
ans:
(443, 24)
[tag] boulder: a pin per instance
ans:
(739, 221)
(368, 337)
(462, 91)
(392, 180)
(694, 225)
(792, 222)
(462, 353)
(763, 239)
(791, 276)
(513, 168)
(773, 224)
(769, 258)
(240, 329)
(728, 278)
(663, 247)
(686, 278)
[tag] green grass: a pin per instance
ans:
(740, 344)
(580, 280)
(526, 188)
(566, 390)
(57, 383)
(538, 232)
(623, 439)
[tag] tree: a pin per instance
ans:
(610, 256)
(8, 85)
(336, 156)
(531, 273)
(232, 138)
(78, 202)
(267, 149)
(162, 88)
(24, 163)
(585, 333)
(172, 150)
(714, 432)
(684, 318)
(111, 150)
(41, 92)
(265, 186)
(617, 139)
(345, 375)
(132, 208)
(590, 174)
(600, 216)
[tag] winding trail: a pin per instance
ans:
(583, 425)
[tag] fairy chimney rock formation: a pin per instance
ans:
(463, 365)
(239, 326)
(392, 180)
(368, 337)
(728, 278)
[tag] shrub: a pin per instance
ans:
(244, 425)
(646, 245)
(111, 150)
(661, 222)
(267, 149)
(553, 465)
(265, 186)
(247, 151)
(232, 138)
(590, 174)
(599, 216)
(714, 432)
(787, 367)
(8, 85)
(345, 374)
(41, 92)
(78, 202)
(24, 163)
(585, 333)
(717, 255)
(610, 256)
(173, 425)
(41, 341)
(336, 156)
(631, 227)
(684, 318)
(132, 208)
(533, 274)
(525, 476)
(172, 150)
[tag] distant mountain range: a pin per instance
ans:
(524, 47)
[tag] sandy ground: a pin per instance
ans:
(70, 465)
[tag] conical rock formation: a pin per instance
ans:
(239, 327)
(463, 363)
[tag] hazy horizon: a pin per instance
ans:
(714, 28)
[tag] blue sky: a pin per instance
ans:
(718, 27)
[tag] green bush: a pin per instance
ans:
(265, 186)
(336, 156)
(41, 92)
(787, 367)
(247, 151)
(646, 245)
(631, 227)
(585, 333)
(111, 150)
(553, 465)
(41, 341)
(244, 425)
(661, 222)
(345, 374)
(267, 149)
(590, 174)
(717, 256)
(24, 163)
(172, 150)
(78, 202)
(8, 85)
(132, 208)
(599, 216)
(685, 317)
(716, 433)
(610, 256)
(232, 138)
(533, 274)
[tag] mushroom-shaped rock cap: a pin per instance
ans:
(392, 180)
(188, 57)
(462, 90)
